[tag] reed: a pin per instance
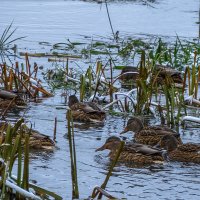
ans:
(11, 149)
(75, 191)
(55, 129)
(82, 87)
(6, 40)
(103, 186)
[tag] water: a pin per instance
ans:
(54, 21)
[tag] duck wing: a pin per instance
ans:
(151, 135)
(143, 149)
(93, 107)
(160, 128)
(189, 147)
(87, 108)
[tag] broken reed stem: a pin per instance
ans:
(28, 66)
(67, 67)
(55, 129)
(24, 86)
(103, 186)
(7, 108)
(5, 77)
(35, 70)
(75, 191)
(97, 190)
(10, 79)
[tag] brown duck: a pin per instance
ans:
(149, 135)
(129, 73)
(86, 112)
(132, 152)
(36, 140)
(188, 152)
(161, 73)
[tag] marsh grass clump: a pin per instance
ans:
(6, 40)
(18, 85)
(12, 151)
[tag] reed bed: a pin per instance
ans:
(152, 90)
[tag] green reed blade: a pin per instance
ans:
(25, 181)
(13, 153)
(103, 186)
(75, 191)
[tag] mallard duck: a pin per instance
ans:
(149, 135)
(129, 73)
(164, 72)
(160, 73)
(36, 139)
(188, 152)
(132, 152)
(86, 112)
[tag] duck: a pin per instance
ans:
(86, 112)
(160, 73)
(129, 73)
(149, 135)
(37, 140)
(133, 153)
(164, 72)
(188, 152)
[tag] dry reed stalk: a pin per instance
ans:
(28, 66)
(24, 85)
(10, 79)
(5, 77)
(7, 108)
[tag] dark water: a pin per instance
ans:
(54, 21)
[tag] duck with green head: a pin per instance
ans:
(188, 152)
(149, 135)
(133, 152)
(86, 112)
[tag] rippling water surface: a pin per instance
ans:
(56, 20)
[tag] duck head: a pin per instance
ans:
(168, 142)
(72, 100)
(112, 143)
(134, 124)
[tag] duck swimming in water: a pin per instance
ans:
(188, 152)
(37, 141)
(133, 152)
(86, 112)
(149, 135)
(160, 74)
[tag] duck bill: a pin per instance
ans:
(124, 131)
(101, 148)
